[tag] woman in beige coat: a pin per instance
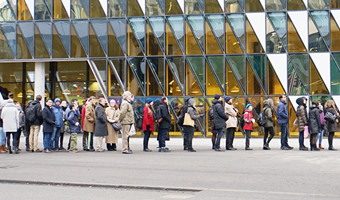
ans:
(89, 122)
(112, 114)
(231, 123)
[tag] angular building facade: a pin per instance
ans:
(248, 49)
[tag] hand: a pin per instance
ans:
(253, 120)
(55, 122)
(76, 124)
(202, 115)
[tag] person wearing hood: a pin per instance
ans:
(100, 131)
(48, 125)
(126, 118)
(220, 119)
(189, 130)
(332, 126)
(63, 127)
(248, 124)
(35, 124)
(10, 118)
(27, 127)
(302, 120)
(268, 105)
(314, 124)
(182, 112)
(323, 126)
(211, 124)
(3, 148)
(232, 122)
(148, 123)
(21, 123)
(74, 126)
(282, 120)
(164, 125)
(58, 113)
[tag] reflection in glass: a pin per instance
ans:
(192, 46)
(177, 66)
(316, 84)
(133, 8)
(23, 12)
(133, 82)
(41, 12)
(192, 7)
(82, 29)
(177, 26)
(152, 83)
(197, 24)
(172, 47)
(295, 84)
(231, 6)
(27, 30)
(335, 77)
(119, 28)
(45, 30)
(138, 65)
(153, 8)
(212, 46)
(335, 35)
(294, 41)
(113, 44)
(95, 47)
(100, 28)
(59, 11)
(335, 4)
(211, 85)
(63, 29)
(5, 51)
(253, 85)
(276, 32)
(232, 84)
(217, 25)
(300, 62)
(75, 73)
(273, 82)
(96, 9)
(237, 24)
(212, 6)
(232, 45)
(217, 66)
(6, 13)
(77, 10)
(274, 5)
(119, 65)
(253, 44)
(76, 47)
(316, 42)
(138, 27)
(155, 35)
(197, 66)
(259, 65)
(134, 46)
(157, 67)
(114, 9)
(173, 87)
(295, 5)
(172, 7)
(321, 19)
(39, 46)
(237, 63)
(253, 6)
(11, 72)
(317, 4)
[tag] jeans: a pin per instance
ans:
(61, 140)
(162, 135)
(301, 139)
(218, 140)
(47, 140)
(189, 135)
(146, 139)
(14, 137)
(230, 138)
(213, 140)
(2, 137)
(320, 135)
(185, 142)
(247, 133)
(55, 137)
(271, 132)
(284, 135)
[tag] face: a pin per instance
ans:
(57, 103)
(18, 106)
(63, 104)
(151, 104)
(93, 101)
(49, 103)
(102, 103)
(112, 103)
(75, 103)
(283, 98)
(250, 108)
(220, 99)
(230, 101)
(131, 98)
(304, 101)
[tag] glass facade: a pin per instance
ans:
(250, 50)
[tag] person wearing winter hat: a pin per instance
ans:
(220, 119)
(302, 120)
(231, 123)
(58, 113)
(248, 124)
(184, 110)
(148, 123)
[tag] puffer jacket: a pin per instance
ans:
(232, 122)
(219, 115)
(301, 114)
(267, 105)
(332, 126)
(282, 113)
(192, 110)
(314, 120)
(72, 120)
(164, 111)
(248, 123)
(58, 113)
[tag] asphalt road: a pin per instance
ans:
(205, 174)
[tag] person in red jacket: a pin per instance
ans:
(148, 123)
(248, 124)
(85, 134)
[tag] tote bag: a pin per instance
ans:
(188, 121)
(132, 130)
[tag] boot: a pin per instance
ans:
(303, 148)
(10, 150)
(2, 149)
(16, 150)
(114, 147)
(314, 147)
(331, 148)
(320, 147)
(109, 147)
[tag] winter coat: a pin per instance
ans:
(49, 120)
(148, 120)
(192, 111)
(38, 112)
(111, 114)
(27, 122)
(72, 120)
(248, 124)
(220, 117)
(62, 129)
(126, 115)
(302, 118)
(165, 114)
(332, 126)
(282, 113)
(232, 122)
(314, 120)
(101, 125)
(58, 113)
(10, 118)
(82, 117)
(268, 114)
(90, 119)
(22, 119)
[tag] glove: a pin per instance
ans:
(253, 120)
(202, 115)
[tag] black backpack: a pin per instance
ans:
(262, 119)
(211, 112)
(242, 120)
(30, 113)
(180, 119)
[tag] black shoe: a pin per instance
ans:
(185, 148)
(290, 148)
(110, 149)
(230, 149)
(331, 148)
(303, 148)
(164, 149)
(213, 148)
(92, 150)
(127, 152)
(266, 148)
(16, 150)
(285, 148)
(249, 149)
(191, 150)
(147, 150)
(9, 150)
(315, 148)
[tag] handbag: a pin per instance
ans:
(305, 132)
(330, 117)
(188, 121)
(296, 123)
(132, 130)
(116, 125)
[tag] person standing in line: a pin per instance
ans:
(10, 118)
(323, 126)
(164, 125)
(21, 123)
(89, 123)
(112, 114)
(101, 126)
(182, 112)
(282, 119)
(332, 126)
(27, 127)
(220, 119)
(314, 124)
(63, 127)
(189, 131)
(74, 127)
(85, 133)
(48, 125)
(148, 123)
(2, 134)
(75, 103)
(126, 118)
(232, 122)
(248, 124)
(58, 113)
(35, 123)
(302, 120)
(212, 125)
(268, 105)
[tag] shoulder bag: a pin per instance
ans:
(116, 125)
(188, 121)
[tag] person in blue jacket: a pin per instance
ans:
(58, 113)
(283, 118)
(74, 126)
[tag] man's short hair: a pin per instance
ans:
(38, 97)
(101, 99)
(71, 106)
(164, 98)
(49, 100)
(74, 100)
(282, 96)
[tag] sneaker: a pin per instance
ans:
(47, 151)
(147, 150)
(248, 149)
(191, 150)
(165, 149)
(219, 149)
(74, 151)
(127, 152)
(38, 150)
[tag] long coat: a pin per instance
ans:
(126, 116)
(112, 114)
(232, 114)
(314, 120)
(49, 120)
(90, 119)
(165, 114)
(10, 118)
(148, 120)
(268, 113)
(332, 126)
(220, 117)
(101, 125)
(302, 118)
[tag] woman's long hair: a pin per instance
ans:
(330, 104)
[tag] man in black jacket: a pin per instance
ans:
(164, 125)
(35, 125)
(219, 119)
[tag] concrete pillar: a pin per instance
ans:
(39, 81)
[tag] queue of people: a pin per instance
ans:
(101, 125)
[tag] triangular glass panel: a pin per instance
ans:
(9, 31)
(100, 28)
(294, 41)
(114, 46)
(274, 43)
(152, 84)
(296, 5)
(120, 66)
(242, 3)
(216, 23)
(317, 4)
(63, 28)
(274, 5)
(236, 22)
(232, 6)
(232, 45)
(279, 23)
(254, 6)
(157, 67)
(86, 6)
(212, 6)
(300, 62)
(295, 84)
(49, 5)
(316, 42)
(5, 50)
(196, 23)
(132, 84)
(316, 84)
(212, 87)
(172, 7)
(82, 30)
(335, 35)
(134, 48)
(173, 88)
(114, 87)
(27, 30)
(177, 66)
(23, 11)
(45, 29)
(153, 47)
(172, 47)
(7, 8)
(193, 87)
(212, 46)
(78, 11)
(321, 19)
(274, 86)
(133, 8)
(284, 3)
(258, 62)
(335, 77)
(238, 65)
(22, 50)
(95, 47)
(158, 25)
(41, 12)
(101, 67)
(76, 46)
(59, 11)
(138, 28)
(217, 63)
(177, 27)
(337, 58)
(58, 47)
(253, 43)
(96, 10)
(114, 9)
(138, 67)
(232, 84)
(119, 28)
(192, 46)
(192, 8)
(253, 85)
(153, 8)
(197, 66)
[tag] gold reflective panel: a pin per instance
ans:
(233, 87)
(253, 85)
(172, 7)
(95, 47)
(294, 41)
(212, 46)
(211, 84)
(58, 47)
(191, 45)
(274, 5)
(77, 10)
(22, 49)
(192, 7)
(192, 87)
(172, 47)
(39, 46)
(23, 11)
(293, 130)
(316, 84)
(295, 5)
(335, 4)
(76, 47)
(132, 44)
(114, 9)
(152, 46)
(152, 87)
(153, 8)
(96, 9)
(212, 6)
(132, 83)
(114, 47)
(5, 51)
(172, 87)
(133, 8)
(232, 45)
(335, 35)
(232, 6)
(59, 11)
(253, 6)
(253, 44)
(274, 86)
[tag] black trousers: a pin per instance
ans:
(15, 137)
(247, 134)
(27, 141)
(146, 139)
(185, 142)
(230, 137)
(189, 135)
(213, 140)
(61, 140)
(267, 130)
(330, 139)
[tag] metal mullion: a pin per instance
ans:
(239, 82)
